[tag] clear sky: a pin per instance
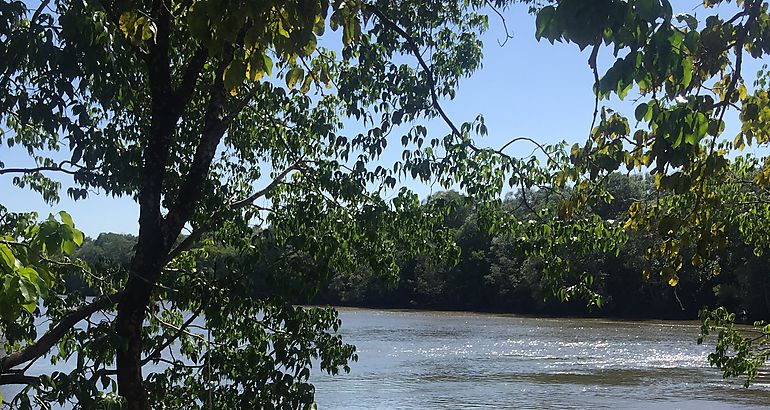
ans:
(525, 88)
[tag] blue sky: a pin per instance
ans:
(525, 88)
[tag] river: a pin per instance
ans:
(455, 360)
(431, 360)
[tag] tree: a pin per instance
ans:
(687, 72)
(213, 114)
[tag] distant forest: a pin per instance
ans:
(492, 274)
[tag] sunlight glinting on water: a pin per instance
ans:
(461, 360)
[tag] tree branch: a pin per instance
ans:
(594, 69)
(214, 128)
(185, 245)
(186, 88)
(48, 340)
(508, 35)
(277, 180)
(156, 354)
(58, 168)
(18, 378)
(416, 52)
(528, 139)
(241, 106)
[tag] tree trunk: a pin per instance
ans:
(143, 275)
(130, 384)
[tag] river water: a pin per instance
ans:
(431, 360)
(454, 360)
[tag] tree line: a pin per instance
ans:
(492, 272)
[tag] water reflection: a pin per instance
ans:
(460, 360)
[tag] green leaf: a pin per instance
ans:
(77, 237)
(692, 22)
(268, 64)
(543, 21)
(648, 9)
(67, 219)
(29, 295)
(310, 45)
(294, 75)
(641, 111)
(68, 247)
(28, 274)
(234, 75)
(148, 30)
(687, 70)
(198, 23)
(7, 257)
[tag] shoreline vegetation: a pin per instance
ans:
(589, 316)
(492, 274)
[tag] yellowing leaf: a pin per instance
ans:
(148, 30)
(738, 143)
(742, 92)
(306, 84)
(294, 75)
(697, 260)
(673, 281)
(126, 22)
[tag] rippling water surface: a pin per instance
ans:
(421, 360)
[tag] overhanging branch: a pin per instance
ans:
(18, 378)
(48, 340)
(416, 52)
(53, 168)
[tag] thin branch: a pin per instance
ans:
(57, 168)
(73, 265)
(185, 331)
(185, 245)
(240, 106)
(508, 36)
(277, 180)
(595, 70)
(528, 139)
(48, 340)
(177, 363)
(416, 52)
(156, 354)
(186, 88)
(14, 243)
(736, 17)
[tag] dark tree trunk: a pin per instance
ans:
(152, 249)
(129, 358)
(144, 274)
(156, 232)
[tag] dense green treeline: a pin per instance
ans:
(493, 272)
